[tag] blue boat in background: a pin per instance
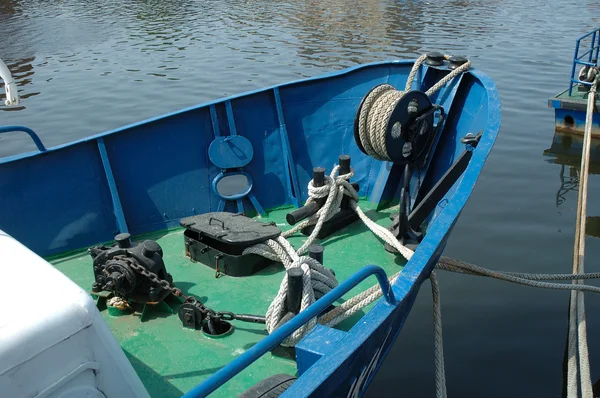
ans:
(170, 190)
(570, 105)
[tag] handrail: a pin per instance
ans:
(259, 349)
(592, 56)
(32, 134)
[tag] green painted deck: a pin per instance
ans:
(576, 95)
(170, 359)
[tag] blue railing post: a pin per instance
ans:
(597, 43)
(259, 349)
(592, 47)
(32, 134)
(575, 56)
(592, 56)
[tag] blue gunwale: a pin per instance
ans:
(417, 269)
(206, 104)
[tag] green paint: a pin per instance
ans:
(575, 95)
(171, 360)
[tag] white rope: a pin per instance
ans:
(316, 282)
(577, 345)
(334, 189)
(281, 250)
(381, 102)
(533, 280)
(12, 95)
(373, 120)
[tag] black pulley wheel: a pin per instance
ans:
(406, 139)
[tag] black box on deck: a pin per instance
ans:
(219, 239)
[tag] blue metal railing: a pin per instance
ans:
(592, 56)
(32, 134)
(281, 333)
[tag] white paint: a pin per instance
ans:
(12, 95)
(53, 341)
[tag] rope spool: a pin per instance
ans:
(388, 127)
(398, 126)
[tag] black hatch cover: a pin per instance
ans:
(231, 228)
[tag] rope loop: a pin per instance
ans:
(316, 282)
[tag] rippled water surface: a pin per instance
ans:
(84, 67)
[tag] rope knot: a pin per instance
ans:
(316, 282)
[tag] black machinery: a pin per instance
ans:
(344, 217)
(132, 270)
(219, 239)
(411, 133)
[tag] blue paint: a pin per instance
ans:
(256, 205)
(235, 196)
(578, 119)
(575, 108)
(215, 121)
(334, 374)
(259, 349)
(292, 179)
(114, 193)
(30, 132)
(240, 205)
(58, 201)
(317, 343)
(230, 152)
(577, 57)
(162, 169)
(230, 119)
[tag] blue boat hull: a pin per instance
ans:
(147, 176)
(570, 113)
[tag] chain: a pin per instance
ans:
(164, 284)
(208, 313)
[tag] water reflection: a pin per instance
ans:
(566, 151)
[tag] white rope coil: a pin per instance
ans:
(316, 282)
(379, 104)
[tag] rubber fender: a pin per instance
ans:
(270, 387)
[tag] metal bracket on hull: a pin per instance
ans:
(389, 175)
(293, 187)
(406, 227)
(231, 154)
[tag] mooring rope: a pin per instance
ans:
(577, 341)
(318, 280)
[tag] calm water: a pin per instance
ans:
(87, 66)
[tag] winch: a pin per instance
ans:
(120, 269)
(402, 127)
(398, 126)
